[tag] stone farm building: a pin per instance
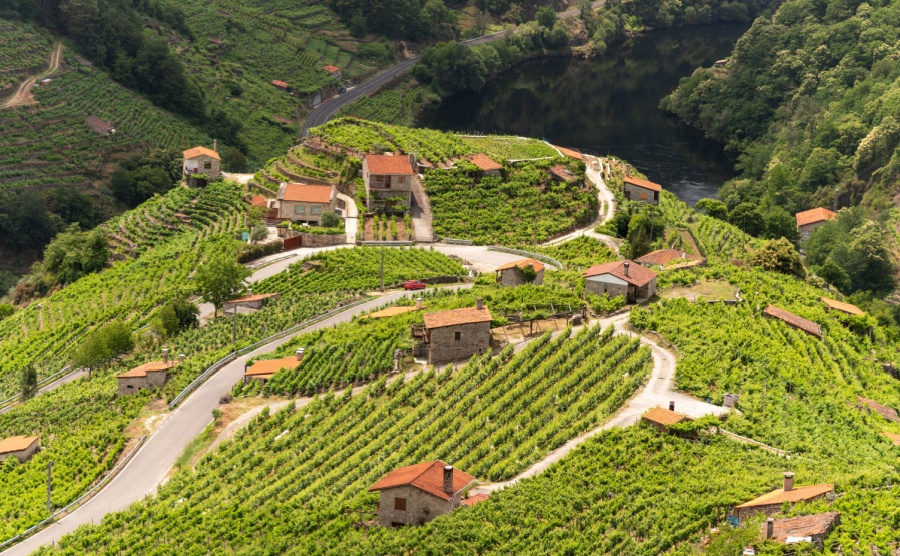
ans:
(486, 165)
(304, 203)
(804, 529)
(632, 281)
(280, 85)
(513, 273)
(266, 369)
(154, 374)
(334, 71)
(772, 502)
(663, 418)
(201, 160)
(835, 305)
(458, 333)
(100, 126)
(809, 220)
(418, 493)
(254, 301)
(19, 447)
(388, 179)
(796, 321)
(661, 258)
(644, 191)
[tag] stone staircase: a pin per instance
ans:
(420, 213)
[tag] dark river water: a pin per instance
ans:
(609, 105)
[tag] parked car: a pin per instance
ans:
(414, 285)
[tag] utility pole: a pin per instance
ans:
(381, 272)
(49, 486)
(234, 327)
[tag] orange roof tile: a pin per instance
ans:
(893, 437)
(198, 151)
(663, 416)
(571, 153)
(484, 162)
(522, 263)
(303, 193)
(383, 164)
(254, 297)
(797, 494)
(467, 315)
(472, 500)
(637, 274)
(97, 122)
(848, 308)
(643, 183)
(562, 173)
(17, 443)
(271, 366)
(279, 83)
(259, 201)
(803, 526)
(427, 476)
(392, 312)
(332, 69)
(794, 320)
(814, 215)
(888, 413)
(151, 367)
(665, 256)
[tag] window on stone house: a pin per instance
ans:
(457, 336)
(207, 165)
(400, 504)
(299, 209)
(315, 210)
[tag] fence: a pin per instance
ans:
(387, 243)
(453, 241)
(538, 256)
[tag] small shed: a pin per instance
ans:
(841, 306)
(644, 191)
(255, 301)
(772, 502)
(804, 529)
(20, 447)
(663, 418)
(100, 126)
(201, 160)
(334, 71)
(280, 85)
(661, 258)
(809, 220)
(458, 333)
(514, 273)
(796, 321)
(266, 369)
(630, 280)
(888, 413)
(154, 374)
(418, 493)
(486, 165)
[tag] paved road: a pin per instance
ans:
(52, 386)
(147, 469)
(325, 111)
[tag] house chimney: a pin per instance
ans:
(770, 528)
(181, 357)
(479, 304)
(628, 170)
(671, 406)
(300, 353)
(215, 145)
(788, 481)
(448, 479)
(419, 303)
(683, 255)
(165, 353)
(627, 264)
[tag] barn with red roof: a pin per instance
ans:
(418, 493)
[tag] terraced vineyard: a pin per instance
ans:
(493, 418)
(717, 239)
(23, 52)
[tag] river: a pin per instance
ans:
(608, 105)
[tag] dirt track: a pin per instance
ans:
(23, 95)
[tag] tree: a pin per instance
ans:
(259, 233)
(104, 345)
(545, 17)
(832, 273)
(73, 254)
(28, 382)
(780, 223)
(713, 208)
(331, 219)
(747, 217)
(166, 322)
(219, 279)
(186, 312)
(778, 255)
(6, 310)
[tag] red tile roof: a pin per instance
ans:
(813, 216)
(562, 173)
(259, 201)
(392, 312)
(151, 367)
(522, 263)
(637, 274)
(303, 193)
(467, 315)
(484, 162)
(665, 256)
(663, 416)
(198, 151)
(427, 476)
(643, 183)
(332, 69)
(98, 123)
(794, 320)
(803, 526)
(17, 443)
(848, 308)
(888, 413)
(382, 164)
(893, 437)
(571, 152)
(472, 500)
(797, 494)
(271, 366)
(254, 297)
(280, 84)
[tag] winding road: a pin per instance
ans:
(23, 95)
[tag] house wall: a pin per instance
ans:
(382, 186)
(321, 240)
(130, 385)
(636, 193)
(647, 291)
(515, 277)
(808, 229)
(288, 209)
(608, 284)
(420, 506)
(474, 338)
(23, 455)
(198, 165)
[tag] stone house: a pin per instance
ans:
(809, 220)
(201, 160)
(458, 333)
(804, 529)
(661, 258)
(266, 369)
(512, 273)
(772, 502)
(835, 305)
(644, 191)
(154, 375)
(334, 71)
(388, 179)
(304, 203)
(418, 493)
(20, 447)
(100, 126)
(796, 321)
(632, 281)
(663, 418)
(486, 165)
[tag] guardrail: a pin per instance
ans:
(387, 243)
(109, 476)
(212, 369)
(538, 256)
(453, 241)
(66, 371)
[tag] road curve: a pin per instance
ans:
(147, 469)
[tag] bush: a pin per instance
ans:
(257, 250)
(331, 219)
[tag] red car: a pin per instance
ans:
(413, 285)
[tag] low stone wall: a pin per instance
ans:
(321, 240)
